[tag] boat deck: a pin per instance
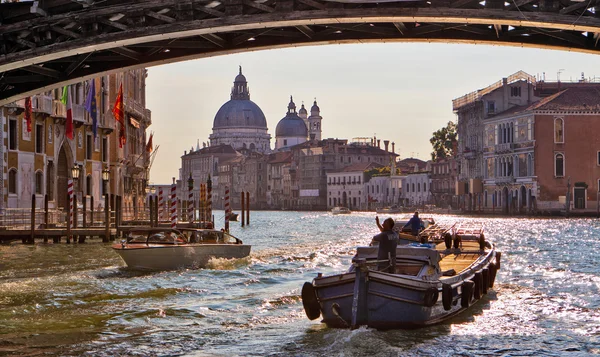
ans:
(459, 260)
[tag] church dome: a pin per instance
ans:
(291, 125)
(302, 110)
(315, 107)
(240, 113)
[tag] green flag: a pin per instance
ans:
(64, 95)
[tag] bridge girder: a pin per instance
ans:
(50, 43)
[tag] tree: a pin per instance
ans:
(443, 142)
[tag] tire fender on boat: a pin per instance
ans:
(457, 242)
(447, 296)
(477, 288)
(485, 279)
(467, 293)
(310, 301)
(498, 257)
(493, 270)
(431, 297)
(448, 240)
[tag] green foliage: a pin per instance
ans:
(443, 141)
(381, 171)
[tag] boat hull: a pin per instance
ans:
(157, 257)
(393, 301)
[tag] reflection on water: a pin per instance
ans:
(80, 300)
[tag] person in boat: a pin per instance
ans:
(388, 241)
(415, 224)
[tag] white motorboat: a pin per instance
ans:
(169, 249)
(341, 210)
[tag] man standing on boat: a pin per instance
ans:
(388, 241)
(415, 224)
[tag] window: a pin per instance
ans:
(39, 177)
(12, 181)
(88, 185)
(491, 107)
(105, 149)
(559, 131)
(284, 142)
(12, 134)
(39, 138)
(515, 91)
(598, 159)
(559, 165)
(88, 147)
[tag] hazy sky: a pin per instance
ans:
(399, 92)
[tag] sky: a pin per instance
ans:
(399, 92)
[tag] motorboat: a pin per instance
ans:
(233, 217)
(170, 249)
(340, 210)
(390, 209)
(428, 285)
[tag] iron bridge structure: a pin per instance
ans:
(48, 43)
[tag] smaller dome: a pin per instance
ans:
(302, 110)
(291, 125)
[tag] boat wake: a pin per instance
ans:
(228, 264)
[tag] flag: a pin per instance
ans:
(69, 123)
(90, 106)
(119, 116)
(149, 145)
(63, 98)
(28, 113)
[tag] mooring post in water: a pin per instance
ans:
(227, 209)
(32, 237)
(247, 208)
(106, 238)
(69, 218)
(243, 207)
(91, 211)
(156, 214)
(151, 208)
(119, 215)
(75, 218)
(46, 223)
(359, 299)
(84, 214)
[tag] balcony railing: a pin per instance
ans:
(42, 104)
(59, 110)
(78, 113)
(138, 110)
(506, 147)
(505, 179)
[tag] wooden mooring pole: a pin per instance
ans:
(150, 209)
(32, 237)
(106, 237)
(91, 211)
(75, 218)
(243, 206)
(46, 223)
(156, 214)
(248, 208)
(84, 223)
(68, 219)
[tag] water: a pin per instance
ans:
(80, 300)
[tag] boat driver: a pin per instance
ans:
(388, 241)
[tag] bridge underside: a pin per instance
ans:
(49, 43)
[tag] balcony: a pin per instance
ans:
(138, 110)
(506, 147)
(78, 112)
(505, 180)
(59, 110)
(42, 104)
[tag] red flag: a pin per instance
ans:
(28, 113)
(69, 123)
(119, 116)
(149, 145)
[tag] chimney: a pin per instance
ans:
(393, 148)
(379, 143)
(386, 144)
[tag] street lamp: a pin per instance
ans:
(105, 174)
(75, 171)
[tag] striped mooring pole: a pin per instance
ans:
(161, 204)
(226, 208)
(173, 205)
(191, 206)
(70, 192)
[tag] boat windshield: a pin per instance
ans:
(168, 237)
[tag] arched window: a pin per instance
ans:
(12, 181)
(529, 165)
(88, 185)
(559, 126)
(39, 181)
(559, 165)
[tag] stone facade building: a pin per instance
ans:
(40, 161)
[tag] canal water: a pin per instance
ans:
(80, 300)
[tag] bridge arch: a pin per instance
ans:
(50, 43)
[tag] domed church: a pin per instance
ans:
(240, 122)
(291, 130)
